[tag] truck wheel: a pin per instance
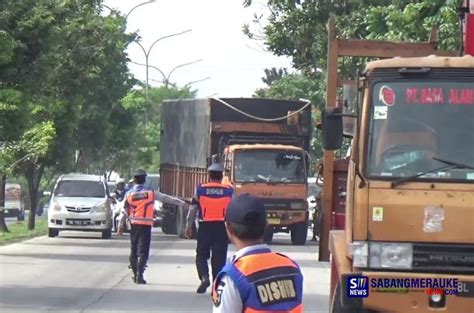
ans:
(168, 224)
(107, 234)
(299, 234)
(52, 232)
(268, 237)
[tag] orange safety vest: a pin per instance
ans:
(213, 199)
(141, 203)
(267, 282)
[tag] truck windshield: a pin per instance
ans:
(269, 166)
(80, 188)
(413, 123)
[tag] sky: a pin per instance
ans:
(232, 65)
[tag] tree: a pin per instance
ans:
(299, 31)
(67, 65)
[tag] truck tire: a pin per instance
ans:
(107, 234)
(168, 224)
(299, 233)
(268, 237)
(52, 232)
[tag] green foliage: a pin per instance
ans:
(64, 71)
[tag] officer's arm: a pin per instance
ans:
(125, 214)
(166, 199)
(192, 212)
(227, 299)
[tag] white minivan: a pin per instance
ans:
(80, 202)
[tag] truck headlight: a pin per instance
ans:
(391, 255)
(360, 252)
(297, 205)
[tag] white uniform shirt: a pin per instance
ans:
(228, 300)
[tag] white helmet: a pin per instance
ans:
(120, 181)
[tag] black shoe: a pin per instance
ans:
(139, 280)
(204, 284)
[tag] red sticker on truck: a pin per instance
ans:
(387, 95)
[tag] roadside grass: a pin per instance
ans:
(18, 231)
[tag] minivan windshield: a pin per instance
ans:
(414, 123)
(80, 188)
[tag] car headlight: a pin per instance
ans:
(56, 207)
(99, 208)
(360, 252)
(297, 205)
(382, 254)
(391, 255)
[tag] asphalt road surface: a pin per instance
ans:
(78, 272)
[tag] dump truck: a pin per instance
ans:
(262, 143)
(408, 240)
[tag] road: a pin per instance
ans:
(78, 272)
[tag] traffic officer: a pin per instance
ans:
(139, 211)
(209, 205)
(256, 279)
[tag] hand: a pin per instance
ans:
(188, 233)
(120, 231)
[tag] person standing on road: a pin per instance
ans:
(256, 279)
(209, 205)
(139, 211)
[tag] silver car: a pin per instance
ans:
(80, 202)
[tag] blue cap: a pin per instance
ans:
(139, 172)
(216, 167)
(246, 209)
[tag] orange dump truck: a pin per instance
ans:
(262, 143)
(408, 242)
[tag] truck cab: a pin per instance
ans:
(277, 173)
(410, 189)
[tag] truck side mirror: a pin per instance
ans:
(332, 128)
(47, 193)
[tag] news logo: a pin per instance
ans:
(357, 286)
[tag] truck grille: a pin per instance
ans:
(78, 209)
(444, 258)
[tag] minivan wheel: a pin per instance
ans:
(52, 232)
(107, 234)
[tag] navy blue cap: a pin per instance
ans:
(246, 209)
(139, 172)
(216, 167)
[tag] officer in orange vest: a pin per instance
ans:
(256, 279)
(209, 204)
(139, 210)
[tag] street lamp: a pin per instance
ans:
(147, 53)
(166, 78)
(196, 81)
(138, 5)
(130, 11)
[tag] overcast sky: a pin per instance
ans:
(233, 62)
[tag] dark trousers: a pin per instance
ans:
(140, 238)
(211, 237)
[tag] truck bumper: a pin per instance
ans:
(419, 300)
(286, 217)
